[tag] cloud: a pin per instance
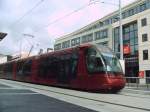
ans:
(55, 31)
(45, 13)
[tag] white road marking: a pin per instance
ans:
(18, 93)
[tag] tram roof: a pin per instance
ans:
(67, 50)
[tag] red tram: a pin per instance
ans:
(86, 67)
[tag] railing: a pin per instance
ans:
(138, 83)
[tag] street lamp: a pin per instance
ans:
(26, 35)
(121, 37)
(120, 27)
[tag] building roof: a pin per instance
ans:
(2, 35)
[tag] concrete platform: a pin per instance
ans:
(23, 100)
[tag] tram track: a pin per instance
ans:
(84, 97)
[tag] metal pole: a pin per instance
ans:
(29, 35)
(120, 26)
(20, 48)
(30, 50)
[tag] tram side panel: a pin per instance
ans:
(45, 70)
(81, 79)
(14, 70)
(6, 70)
(23, 70)
(86, 80)
(2, 71)
(34, 71)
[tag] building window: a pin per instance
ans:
(75, 41)
(144, 22)
(144, 38)
(148, 4)
(57, 46)
(87, 38)
(147, 76)
(101, 34)
(143, 7)
(145, 54)
(66, 44)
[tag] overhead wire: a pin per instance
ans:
(27, 13)
(69, 14)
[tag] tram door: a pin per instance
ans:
(67, 68)
(64, 70)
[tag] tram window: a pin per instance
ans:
(54, 66)
(58, 66)
(8, 68)
(72, 65)
(42, 68)
(64, 67)
(26, 67)
(1, 69)
(93, 61)
(48, 67)
(74, 62)
(19, 67)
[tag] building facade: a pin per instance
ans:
(5, 58)
(136, 36)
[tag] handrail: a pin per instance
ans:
(135, 82)
(138, 77)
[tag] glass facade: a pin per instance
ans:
(130, 38)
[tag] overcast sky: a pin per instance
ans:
(35, 17)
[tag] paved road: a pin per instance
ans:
(24, 100)
(126, 101)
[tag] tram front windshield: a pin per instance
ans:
(111, 61)
(101, 59)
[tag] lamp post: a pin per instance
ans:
(120, 26)
(122, 61)
(26, 35)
